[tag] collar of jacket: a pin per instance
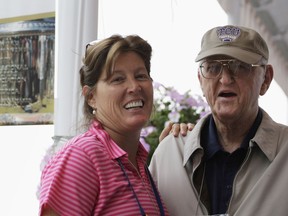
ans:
(266, 138)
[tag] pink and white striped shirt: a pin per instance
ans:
(84, 178)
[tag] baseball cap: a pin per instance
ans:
(238, 42)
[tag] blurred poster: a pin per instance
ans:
(27, 69)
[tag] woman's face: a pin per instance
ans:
(124, 101)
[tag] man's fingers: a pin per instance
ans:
(184, 128)
(165, 132)
(190, 126)
(176, 129)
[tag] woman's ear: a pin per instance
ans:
(88, 94)
(85, 90)
(269, 73)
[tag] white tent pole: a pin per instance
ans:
(76, 25)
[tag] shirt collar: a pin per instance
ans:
(209, 136)
(113, 149)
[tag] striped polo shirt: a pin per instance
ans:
(84, 178)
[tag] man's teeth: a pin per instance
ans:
(134, 104)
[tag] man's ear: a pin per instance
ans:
(199, 77)
(269, 73)
(200, 81)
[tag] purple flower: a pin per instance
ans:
(174, 116)
(147, 130)
(157, 85)
(175, 95)
(145, 144)
(170, 105)
(191, 101)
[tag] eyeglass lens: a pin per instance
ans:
(212, 69)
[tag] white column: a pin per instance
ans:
(76, 25)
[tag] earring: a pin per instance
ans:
(94, 112)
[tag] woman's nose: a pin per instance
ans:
(134, 85)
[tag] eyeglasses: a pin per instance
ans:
(90, 44)
(212, 69)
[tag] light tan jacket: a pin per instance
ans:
(260, 186)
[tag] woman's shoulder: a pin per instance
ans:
(86, 142)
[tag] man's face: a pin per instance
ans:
(233, 96)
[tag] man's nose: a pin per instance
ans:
(226, 75)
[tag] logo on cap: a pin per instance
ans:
(228, 33)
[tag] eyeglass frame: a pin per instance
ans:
(228, 66)
(91, 43)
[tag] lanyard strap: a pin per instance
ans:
(130, 185)
(160, 205)
(155, 191)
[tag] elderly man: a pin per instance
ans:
(235, 160)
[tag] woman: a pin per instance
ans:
(103, 171)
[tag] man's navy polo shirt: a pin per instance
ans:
(221, 166)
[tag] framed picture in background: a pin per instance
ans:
(27, 69)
